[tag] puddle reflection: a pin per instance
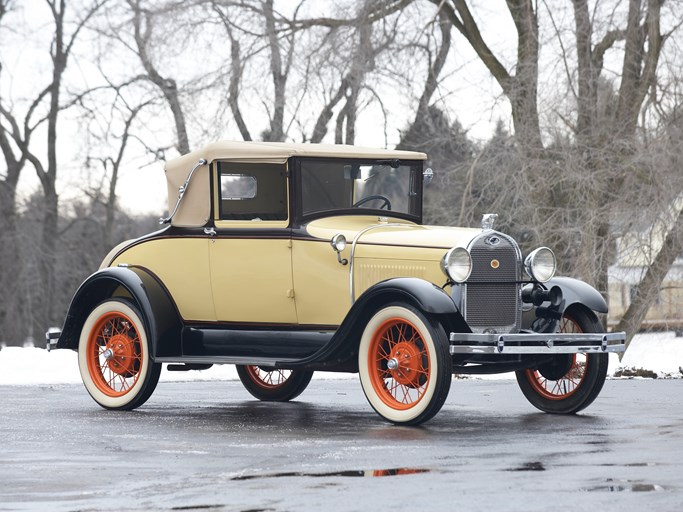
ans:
(352, 473)
(530, 466)
(625, 486)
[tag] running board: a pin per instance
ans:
(204, 360)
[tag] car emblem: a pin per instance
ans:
(495, 264)
(492, 240)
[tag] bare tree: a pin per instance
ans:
(44, 110)
(520, 86)
(143, 21)
(109, 154)
(15, 160)
(237, 61)
(592, 174)
(264, 30)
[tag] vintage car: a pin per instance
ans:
(285, 259)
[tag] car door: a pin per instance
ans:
(250, 254)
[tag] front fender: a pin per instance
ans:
(159, 314)
(429, 298)
(425, 295)
(578, 292)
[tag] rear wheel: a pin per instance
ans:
(272, 384)
(114, 357)
(404, 365)
(568, 383)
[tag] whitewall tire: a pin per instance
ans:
(114, 356)
(404, 364)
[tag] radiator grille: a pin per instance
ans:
(492, 297)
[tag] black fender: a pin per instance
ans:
(578, 292)
(159, 313)
(423, 294)
(426, 296)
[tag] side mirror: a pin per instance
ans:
(427, 176)
(338, 243)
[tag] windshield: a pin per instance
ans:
(390, 186)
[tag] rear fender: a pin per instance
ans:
(159, 314)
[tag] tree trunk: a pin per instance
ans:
(648, 288)
(320, 129)
(48, 177)
(520, 89)
(234, 88)
(435, 69)
(277, 120)
(587, 100)
(10, 267)
(641, 56)
(47, 258)
(167, 86)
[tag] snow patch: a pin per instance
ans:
(660, 352)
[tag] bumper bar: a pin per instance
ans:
(52, 338)
(537, 343)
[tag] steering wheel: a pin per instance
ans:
(386, 201)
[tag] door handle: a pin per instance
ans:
(210, 231)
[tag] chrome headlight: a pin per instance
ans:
(541, 264)
(457, 264)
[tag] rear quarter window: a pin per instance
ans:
(252, 191)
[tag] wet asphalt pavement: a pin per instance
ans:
(209, 446)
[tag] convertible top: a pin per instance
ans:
(195, 208)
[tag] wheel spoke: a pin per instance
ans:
(405, 394)
(384, 352)
(268, 379)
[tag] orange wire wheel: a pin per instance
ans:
(561, 387)
(114, 358)
(398, 361)
(404, 364)
(114, 354)
(567, 383)
(564, 386)
(273, 384)
(268, 379)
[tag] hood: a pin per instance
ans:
(393, 232)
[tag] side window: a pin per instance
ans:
(252, 191)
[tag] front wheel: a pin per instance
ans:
(568, 383)
(114, 357)
(272, 384)
(404, 365)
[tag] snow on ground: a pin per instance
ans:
(660, 352)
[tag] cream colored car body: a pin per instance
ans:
(291, 281)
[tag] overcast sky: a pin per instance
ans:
(467, 93)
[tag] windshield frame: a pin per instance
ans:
(297, 199)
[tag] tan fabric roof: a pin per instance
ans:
(196, 206)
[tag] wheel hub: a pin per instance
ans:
(405, 364)
(558, 367)
(121, 355)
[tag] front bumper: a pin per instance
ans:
(537, 343)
